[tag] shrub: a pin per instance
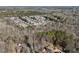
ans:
(60, 38)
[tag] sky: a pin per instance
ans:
(39, 2)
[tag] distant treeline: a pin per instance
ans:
(20, 13)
